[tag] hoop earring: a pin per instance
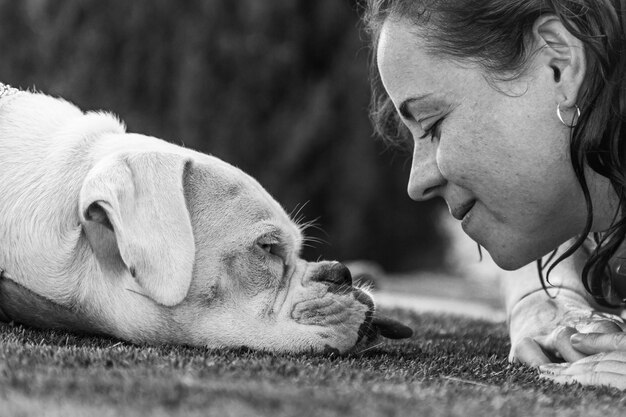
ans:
(574, 119)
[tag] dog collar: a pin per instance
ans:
(3, 315)
(21, 305)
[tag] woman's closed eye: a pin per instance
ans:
(433, 130)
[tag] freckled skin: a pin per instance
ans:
(502, 147)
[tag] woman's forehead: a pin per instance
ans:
(406, 69)
(409, 69)
(395, 43)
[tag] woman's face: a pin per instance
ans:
(499, 157)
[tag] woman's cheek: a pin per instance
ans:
(456, 163)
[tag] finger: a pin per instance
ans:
(604, 366)
(563, 345)
(616, 355)
(591, 343)
(602, 326)
(579, 368)
(600, 378)
(553, 368)
(528, 352)
(558, 341)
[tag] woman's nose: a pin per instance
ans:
(425, 180)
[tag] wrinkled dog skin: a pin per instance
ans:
(108, 232)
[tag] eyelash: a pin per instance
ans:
(272, 249)
(434, 131)
(267, 247)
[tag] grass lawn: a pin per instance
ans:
(451, 367)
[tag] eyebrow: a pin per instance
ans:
(281, 238)
(403, 108)
(272, 233)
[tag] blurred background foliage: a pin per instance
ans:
(278, 88)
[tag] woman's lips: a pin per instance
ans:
(459, 212)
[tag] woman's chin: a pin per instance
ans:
(509, 261)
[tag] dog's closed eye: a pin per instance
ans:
(267, 247)
(272, 246)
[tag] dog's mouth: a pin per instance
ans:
(331, 307)
(376, 324)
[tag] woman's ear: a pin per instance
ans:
(563, 54)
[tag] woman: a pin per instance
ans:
(515, 111)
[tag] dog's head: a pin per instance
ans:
(199, 253)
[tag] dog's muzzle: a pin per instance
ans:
(376, 324)
(339, 280)
(336, 276)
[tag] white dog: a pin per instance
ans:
(108, 232)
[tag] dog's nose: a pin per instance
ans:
(337, 274)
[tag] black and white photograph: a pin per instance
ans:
(332, 208)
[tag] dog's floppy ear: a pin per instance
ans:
(141, 198)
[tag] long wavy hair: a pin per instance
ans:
(495, 35)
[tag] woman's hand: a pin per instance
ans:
(605, 366)
(541, 327)
(560, 342)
